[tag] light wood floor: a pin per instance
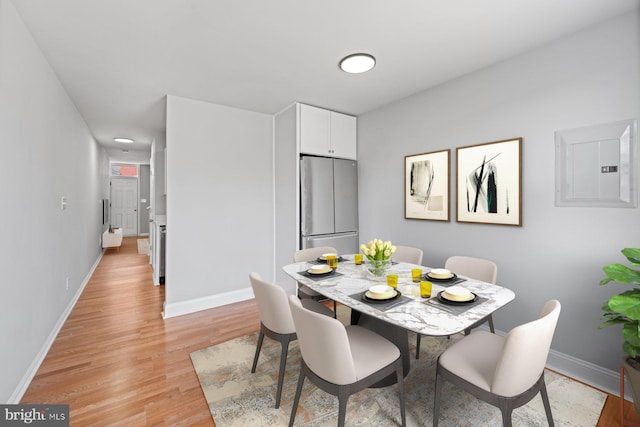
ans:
(117, 362)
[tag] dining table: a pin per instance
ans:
(407, 311)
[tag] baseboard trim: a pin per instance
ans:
(204, 303)
(20, 390)
(588, 373)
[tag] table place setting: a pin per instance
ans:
(381, 297)
(325, 259)
(455, 300)
(319, 272)
(443, 277)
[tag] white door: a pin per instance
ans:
(124, 205)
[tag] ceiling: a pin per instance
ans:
(118, 59)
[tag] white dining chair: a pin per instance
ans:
(408, 254)
(311, 254)
(342, 360)
(506, 372)
(276, 321)
(473, 268)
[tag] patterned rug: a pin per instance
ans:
(238, 398)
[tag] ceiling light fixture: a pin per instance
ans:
(125, 140)
(357, 63)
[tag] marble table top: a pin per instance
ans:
(417, 314)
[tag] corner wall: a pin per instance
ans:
(589, 78)
(219, 204)
(48, 153)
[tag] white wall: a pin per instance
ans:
(158, 197)
(47, 153)
(219, 203)
(589, 78)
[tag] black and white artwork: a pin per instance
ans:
(489, 183)
(427, 186)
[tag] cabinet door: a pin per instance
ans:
(314, 131)
(343, 136)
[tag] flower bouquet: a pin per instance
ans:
(378, 253)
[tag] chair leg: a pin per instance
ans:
(506, 415)
(343, 397)
(417, 346)
(493, 330)
(400, 382)
(436, 399)
(335, 309)
(545, 401)
(258, 347)
(283, 364)
(296, 399)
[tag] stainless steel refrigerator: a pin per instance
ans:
(329, 203)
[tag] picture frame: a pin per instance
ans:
(426, 186)
(489, 183)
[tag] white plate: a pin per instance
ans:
(458, 294)
(440, 273)
(381, 297)
(319, 269)
(380, 289)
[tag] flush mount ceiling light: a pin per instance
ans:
(357, 63)
(125, 140)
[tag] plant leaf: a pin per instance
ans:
(630, 334)
(630, 349)
(633, 255)
(627, 304)
(620, 273)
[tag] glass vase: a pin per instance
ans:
(378, 267)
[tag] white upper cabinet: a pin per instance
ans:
(343, 136)
(327, 133)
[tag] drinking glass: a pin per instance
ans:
(425, 289)
(392, 280)
(358, 259)
(416, 274)
(332, 261)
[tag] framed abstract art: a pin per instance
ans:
(489, 183)
(426, 188)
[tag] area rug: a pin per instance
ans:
(238, 398)
(143, 246)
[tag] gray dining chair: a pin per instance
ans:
(506, 372)
(311, 254)
(342, 360)
(408, 254)
(474, 268)
(276, 321)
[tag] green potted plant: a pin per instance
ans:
(624, 309)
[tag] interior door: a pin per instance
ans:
(124, 205)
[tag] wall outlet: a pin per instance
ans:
(67, 284)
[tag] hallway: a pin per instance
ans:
(117, 362)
